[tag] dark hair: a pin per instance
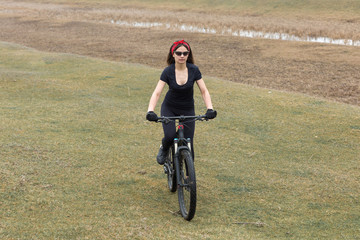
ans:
(170, 59)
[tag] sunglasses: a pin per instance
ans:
(182, 53)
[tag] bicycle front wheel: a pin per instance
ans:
(187, 185)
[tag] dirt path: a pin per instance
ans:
(324, 70)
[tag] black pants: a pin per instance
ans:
(169, 129)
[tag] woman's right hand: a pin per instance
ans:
(151, 116)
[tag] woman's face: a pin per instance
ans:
(179, 55)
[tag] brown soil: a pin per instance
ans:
(323, 70)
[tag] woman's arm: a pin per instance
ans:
(205, 93)
(156, 95)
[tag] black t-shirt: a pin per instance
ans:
(180, 96)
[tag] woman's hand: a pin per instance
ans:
(151, 116)
(210, 114)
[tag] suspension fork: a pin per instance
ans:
(184, 144)
(177, 162)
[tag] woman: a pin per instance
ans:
(180, 75)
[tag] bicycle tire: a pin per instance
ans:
(171, 174)
(187, 187)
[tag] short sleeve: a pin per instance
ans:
(165, 75)
(197, 74)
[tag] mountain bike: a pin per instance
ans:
(179, 166)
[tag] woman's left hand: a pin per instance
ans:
(211, 114)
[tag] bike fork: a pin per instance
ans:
(176, 162)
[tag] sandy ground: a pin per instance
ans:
(323, 70)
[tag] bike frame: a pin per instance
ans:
(185, 181)
(180, 142)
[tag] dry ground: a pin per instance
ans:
(323, 70)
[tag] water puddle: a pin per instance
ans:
(239, 33)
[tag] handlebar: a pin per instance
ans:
(182, 118)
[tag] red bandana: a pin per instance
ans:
(178, 43)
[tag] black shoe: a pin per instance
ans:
(161, 157)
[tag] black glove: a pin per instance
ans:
(210, 114)
(151, 116)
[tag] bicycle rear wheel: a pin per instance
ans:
(187, 186)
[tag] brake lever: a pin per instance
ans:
(164, 120)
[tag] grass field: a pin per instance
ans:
(324, 70)
(78, 157)
(309, 8)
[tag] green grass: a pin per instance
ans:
(78, 157)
